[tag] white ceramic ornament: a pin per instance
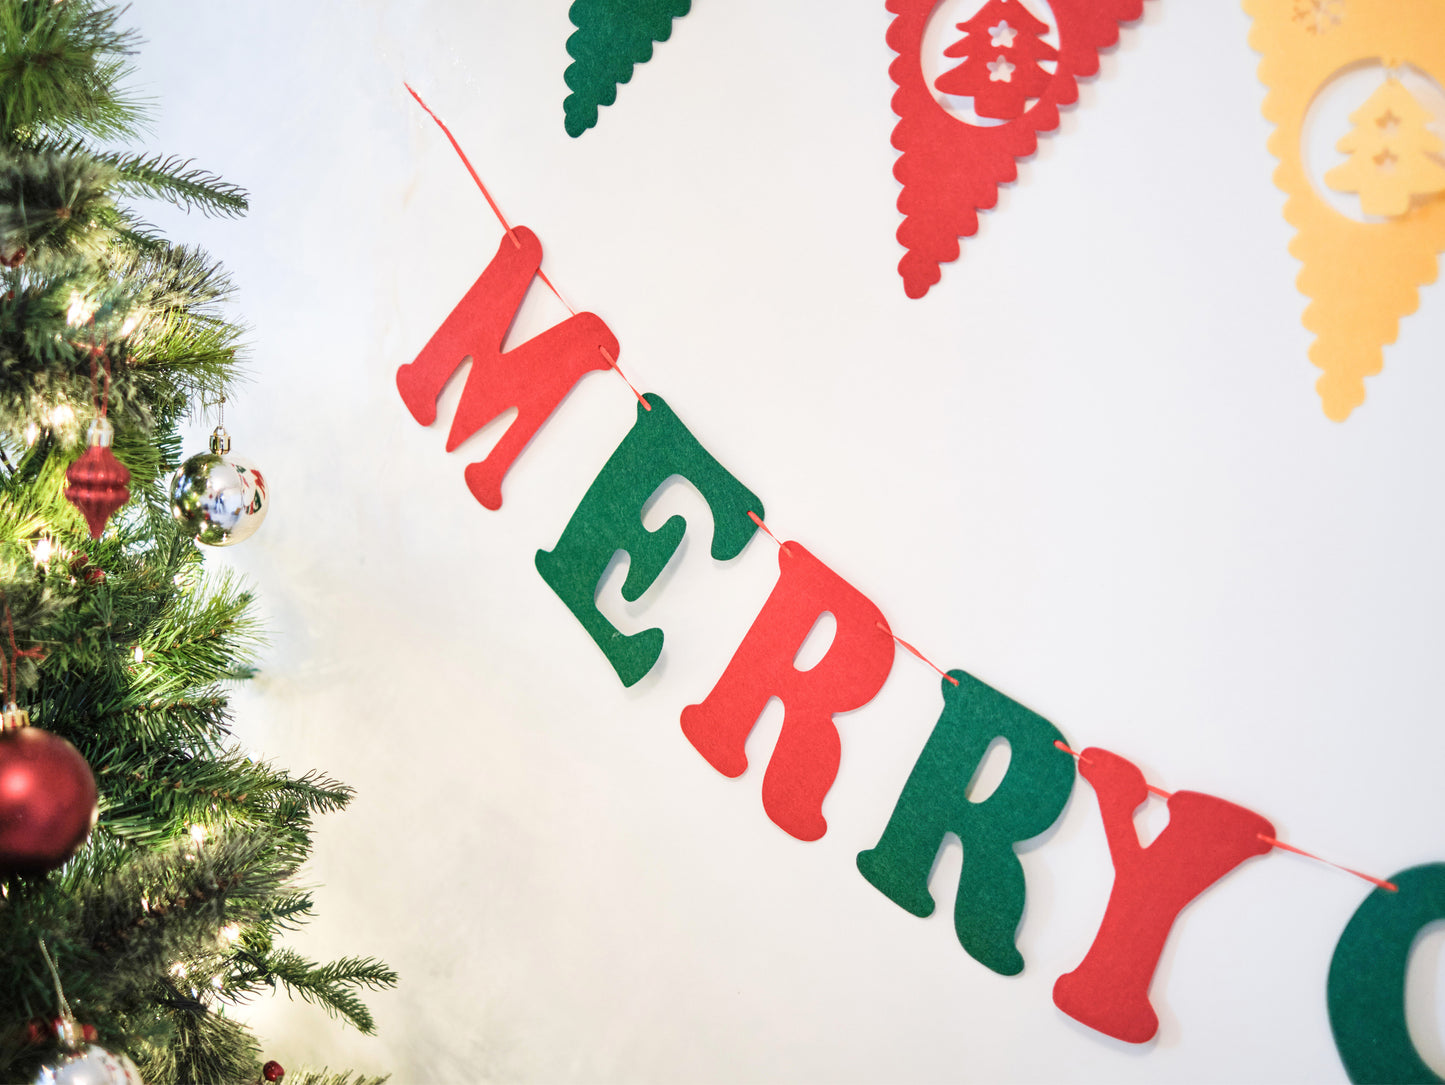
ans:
(91, 1065)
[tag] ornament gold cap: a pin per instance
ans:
(220, 441)
(68, 1033)
(13, 717)
(102, 433)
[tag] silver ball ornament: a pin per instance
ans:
(219, 498)
(91, 1065)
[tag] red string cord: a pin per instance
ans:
(10, 672)
(611, 361)
(1271, 841)
(781, 545)
(919, 654)
(784, 547)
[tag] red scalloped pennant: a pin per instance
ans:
(950, 169)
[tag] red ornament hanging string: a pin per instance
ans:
(99, 483)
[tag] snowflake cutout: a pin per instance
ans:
(1000, 70)
(1002, 36)
(1319, 16)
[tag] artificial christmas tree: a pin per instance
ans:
(118, 642)
(1002, 46)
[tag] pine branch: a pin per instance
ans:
(204, 1049)
(162, 177)
(332, 986)
(170, 178)
(60, 66)
(57, 208)
(324, 1076)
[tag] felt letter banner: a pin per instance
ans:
(1205, 839)
(1032, 794)
(805, 761)
(533, 377)
(950, 169)
(1367, 977)
(609, 519)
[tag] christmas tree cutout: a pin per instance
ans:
(1390, 149)
(612, 37)
(1002, 46)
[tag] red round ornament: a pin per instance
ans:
(47, 798)
(98, 482)
(273, 1071)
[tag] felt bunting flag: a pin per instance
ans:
(1361, 272)
(1205, 839)
(989, 904)
(1366, 991)
(612, 37)
(609, 519)
(850, 674)
(534, 377)
(962, 135)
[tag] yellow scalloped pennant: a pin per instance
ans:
(1360, 277)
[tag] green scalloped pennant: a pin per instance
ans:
(612, 37)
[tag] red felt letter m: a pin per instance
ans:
(533, 377)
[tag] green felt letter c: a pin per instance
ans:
(1367, 977)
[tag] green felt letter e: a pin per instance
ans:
(1030, 797)
(609, 519)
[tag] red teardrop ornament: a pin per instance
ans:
(99, 483)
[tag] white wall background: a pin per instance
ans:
(1089, 467)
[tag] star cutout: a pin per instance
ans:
(1000, 70)
(1386, 160)
(1389, 122)
(1002, 35)
(1320, 16)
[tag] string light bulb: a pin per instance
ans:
(140, 657)
(81, 309)
(32, 433)
(45, 549)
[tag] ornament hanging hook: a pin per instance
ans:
(98, 350)
(67, 1030)
(9, 675)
